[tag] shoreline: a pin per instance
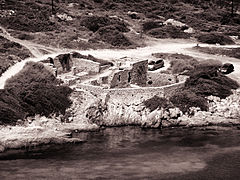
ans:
(64, 136)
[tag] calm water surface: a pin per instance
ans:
(133, 153)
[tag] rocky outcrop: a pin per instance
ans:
(112, 112)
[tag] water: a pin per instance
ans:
(132, 153)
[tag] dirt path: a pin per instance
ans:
(154, 46)
(35, 49)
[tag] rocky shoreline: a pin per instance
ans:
(90, 113)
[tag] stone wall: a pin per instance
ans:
(139, 73)
(157, 79)
(120, 79)
(63, 62)
(84, 65)
(127, 95)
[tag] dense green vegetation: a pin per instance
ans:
(34, 90)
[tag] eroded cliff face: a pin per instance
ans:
(116, 109)
(106, 111)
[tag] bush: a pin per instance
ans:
(31, 73)
(185, 99)
(32, 91)
(168, 31)
(215, 38)
(93, 23)
(112, 35)
(157, 102)
(208, 81)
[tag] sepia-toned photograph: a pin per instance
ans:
(119, 89)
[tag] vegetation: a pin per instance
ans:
(83, 29)
(33, 90)
(215, 38)
(157, 102)
(231, 52)
(10, 53)
(204, 80)
(168, 31)
(112, 35)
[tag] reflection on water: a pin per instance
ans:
(132, 153)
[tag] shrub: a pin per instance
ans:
(32, 91)
(112, 35)
(31, 73)
(185, 99)
(93, 23)
(208, 81)
(10, 53)
(215, 38)
(157, 102)
(168, 31)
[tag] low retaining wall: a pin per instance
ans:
(129, 95)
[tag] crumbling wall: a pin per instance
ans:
(139, 73)
(120, 79)
(84, 65)
(63, 62)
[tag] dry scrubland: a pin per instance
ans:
(124, 23)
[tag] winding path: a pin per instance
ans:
(154, 46)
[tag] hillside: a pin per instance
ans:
(115, 24)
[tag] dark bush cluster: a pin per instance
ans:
(112, 35)
(29, 16)
(168, 31)
(157, 102)
(203, 81)
(33, 90)
(93, 23)
(215, 38)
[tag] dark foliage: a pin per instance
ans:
(168, 31)
(208, 81)
(33, 90)
(93, 23)
(157, 102)
(29, 16)
(215, 38)
(112, 35)
(184, 99)
(204, 80)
